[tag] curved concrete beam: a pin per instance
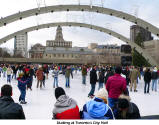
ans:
(58, 8)
(101, 29)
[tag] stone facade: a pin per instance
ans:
(59, 41)
(37, 51)
(59, 49)
(152, 47)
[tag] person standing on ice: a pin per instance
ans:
(4, 71)
(55, 74)
(68, 72)
(84, 74)
(115, 86)
(93, 80)
(147, 80)
(9, 73)
(23, 80)
(134, 74)
(0, 70)
(40, 77)
(8, 108)
(101, 79)
(154, 79)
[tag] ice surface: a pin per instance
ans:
(40, 103)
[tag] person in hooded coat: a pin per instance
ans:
(65, 107)
(127, 109)
(97, 108)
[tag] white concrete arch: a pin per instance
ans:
(32, 12)
(98, 28)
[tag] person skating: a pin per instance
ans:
(22, 83)
(84, 74)
(40, 77)
(147, 80)
(9, 73)
(31, 74)
(68, 72)
(116, 85)
(0, 70)
(101, 80)
(93, 80)
(55, 76)
(134, 74)
(4, 71)
(154, 79)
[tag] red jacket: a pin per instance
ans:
(69, 114)
(66, 108)
(115, 86)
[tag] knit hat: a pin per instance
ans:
(103, 94)
(58, 92)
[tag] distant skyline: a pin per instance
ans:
(144, 9)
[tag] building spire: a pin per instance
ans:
(59, 35)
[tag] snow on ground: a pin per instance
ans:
(40, 103)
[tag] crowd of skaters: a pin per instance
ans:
(112, 100)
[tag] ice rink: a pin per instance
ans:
(40, 103)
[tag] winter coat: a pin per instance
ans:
(154, 74)
(147, 77)
(101, 78)
(9, 71)
(93, 76)
(55, 73)
(9, 109)
(109, 73)
(68, 73)
(134, 74)
(4, 69)
(84, 71)
(39, 74)
(31, 72)
(0, 69)
(132, 113)
(96, 109)
(115, 86)
(22, 82)
(66, 108)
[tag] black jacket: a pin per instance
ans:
(93, 76)
(101, 78)
(9, 109)
(132, 113)
(147, 77)
(31, 72)
(109, 73)
(154, 75)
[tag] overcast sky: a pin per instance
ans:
(144, 9)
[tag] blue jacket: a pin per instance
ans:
(96, 109)
(22, 82)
